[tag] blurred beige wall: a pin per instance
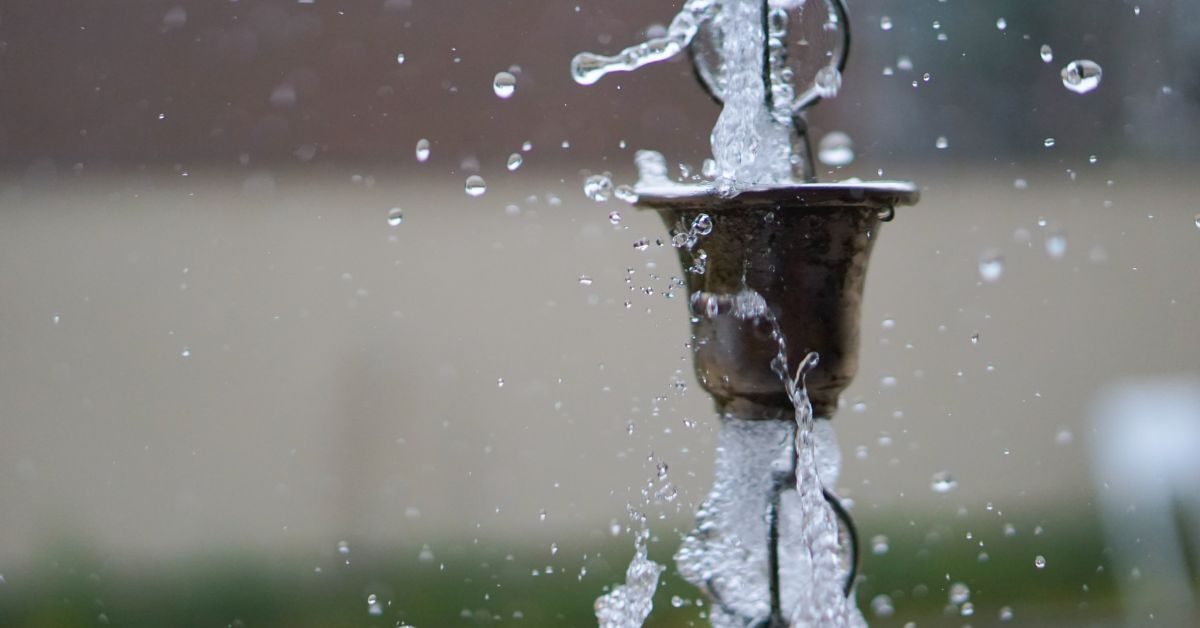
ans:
(342, 376)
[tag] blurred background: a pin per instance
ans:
(261, 366)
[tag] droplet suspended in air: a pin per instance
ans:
(991, 266)
(584, 280)
(885, 23)
(400, 58)
(1056, 245)
(626, 193)
(1049, 142)
(828, 81)
(942, 143)
(836, 149)
(514, 161)
(1082, 76)
(879, 545)
(1047, 53)
(1039, 561)
(1001, 24)
(422, 151)
(882, 606)
(943, 482)
(504, 84)
(598, 187)
(959, 593)
(395, 217)
(1006, 613)
(614, 217)
(475, 185)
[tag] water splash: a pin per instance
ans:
(628, 605)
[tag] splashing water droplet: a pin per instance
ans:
(828, 82)
(475, 185)
(395, 217)
(943, 482)
(514, 161)
(504, 84)
(626, 193)
(1047, 53)
(991, 266)
(422, 150)
(836, 149)
(959, 593)
(1082, 76)
(598, 187)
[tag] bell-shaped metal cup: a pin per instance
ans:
(805, 249)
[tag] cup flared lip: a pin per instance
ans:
(850, 193)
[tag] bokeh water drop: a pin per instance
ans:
(836, 149)
(422, 150)
(943, 482)
(991, 266)
(514, 161)
(395, 216)
(1047, 53)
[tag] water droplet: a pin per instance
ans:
(400, 58)
(882, 606)
(542, 515)
(975, 338)
(904, 64)
(504, 84)
(889, 323)
(395, 217)
(626, 193)
(499, 382)
(371, 599)
(991, 266)
(425, 555)
(187, 353)
(1047, 53)
(422, 150)
(1198, 221)
(1056, 245)
(584, 280)
(879, 545)
(885, 23)
(1039, 561)
(836, 149)
(1064, 437)
(1010, 530)
(942, 143)
(828, 81)
(959, 593)
(1049, 142)
(476, 186)
(553, 548)
(614, 217)
(943, 482)
(1006, 613)
(343, 548)
(56, 318)
(642, 244)
(1082, 76)
(514, 161)
(1001, 23)
(598, 187)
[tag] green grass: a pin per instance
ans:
(466, 584)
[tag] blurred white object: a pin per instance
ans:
(1146, 461)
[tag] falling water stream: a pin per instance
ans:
(766, 545)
